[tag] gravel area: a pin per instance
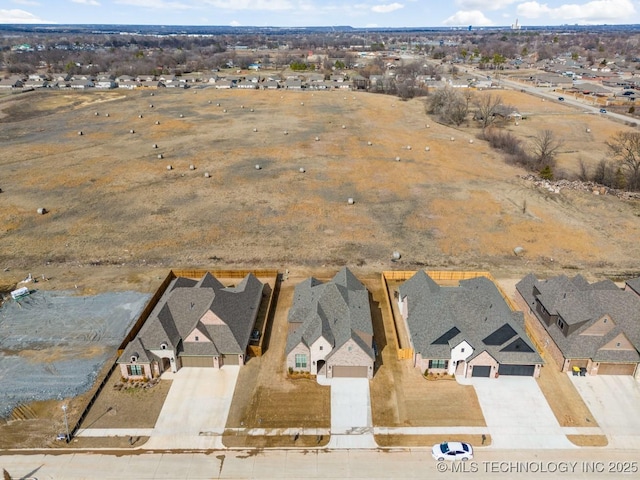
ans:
(53, 344)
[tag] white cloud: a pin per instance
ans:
(595, 12)
(390, 7)
(155, 4)
(26, 2)
(471, 17)
(19, 16)
(482, 5)
(93, 3)
(234, 23)
(270, 5)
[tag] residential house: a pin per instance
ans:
(11, 82)
(468, 330)
(196, 323)
(590, 326)
(330, 328)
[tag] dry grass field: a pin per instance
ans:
(118, 218)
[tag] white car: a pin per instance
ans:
(452, 451)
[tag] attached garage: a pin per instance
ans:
(349, 371)
(481, 371)
(230, 360)
(616, 369)
(517, 370)
(196, 361)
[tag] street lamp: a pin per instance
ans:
(66, 422)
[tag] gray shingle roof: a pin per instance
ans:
(634, 284)
(181, 308)
(582, 304)
(337, 310)
(476, 309)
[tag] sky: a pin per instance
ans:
(298, 13)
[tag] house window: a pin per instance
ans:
(134, 370)
(197, 338)
(321, 347)
(462, 350)
(438, 363)
(560, 324)
(301, 360)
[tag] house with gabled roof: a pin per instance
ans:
(590, 326)
(468, 330)
(196, 323)
(330, 328)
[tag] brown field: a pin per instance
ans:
(118, 219)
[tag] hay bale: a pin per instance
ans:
(80, 133)
(369, 143)
(396, 255)
(181, 116)
(426, 149)
(157, 122)
(151, 95)
(155, 145)
(97, 113)
(241, 106)
(471, 140)
(169, 167)
(258, 167)
(344, 126)
(350, 201)
(317, 139)
(139, 116)
(302, 103)
(192, 167)
(588, 130)
(224, 111)
(251, 110)
(302, 170)
(151, 105)
(286, 133)
(255, 129)
(106, 114)
(397, 159)
(408, 147)
(452, 139)
(217, 104)
(209, 102)
(132, 131)
(160, 156)
(42, 211)
(207, 175)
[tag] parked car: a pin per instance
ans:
(452, 451)
(602, 110)
(561, 99)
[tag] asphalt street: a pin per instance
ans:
(585, 463)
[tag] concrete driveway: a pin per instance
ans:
(195, 411)
(517, 413)
(614, 401)
(351, 424)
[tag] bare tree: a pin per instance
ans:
(545, 150)
(486, 107)
(449, 105)
(625, 147)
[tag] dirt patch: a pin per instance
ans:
(265, 396)
(589, 440)
(128, 407)
(390, 441)
(233, 440)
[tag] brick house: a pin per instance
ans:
(330, 328)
